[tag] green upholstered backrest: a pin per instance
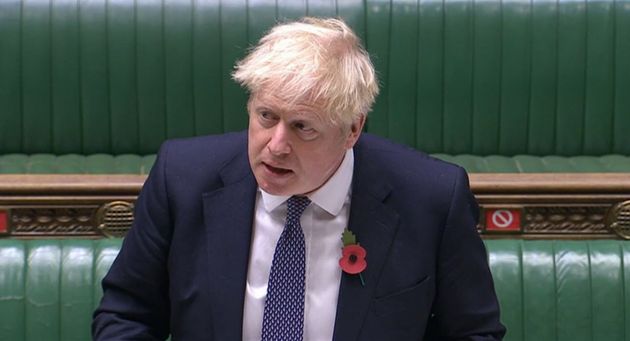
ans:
(548, 290)
(135, 164)
(458, 77)
(79, 164)
(562, 290)
(49, 288)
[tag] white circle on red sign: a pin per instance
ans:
(502, 218)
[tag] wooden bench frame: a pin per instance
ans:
(563, 206)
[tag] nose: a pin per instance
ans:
(279, 143)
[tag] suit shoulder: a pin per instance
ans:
(417, 183)
(413, 176)
(400, 160)
(202, 156)
(224, 145)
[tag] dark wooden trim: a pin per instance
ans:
(481, 183)
(550, 206)
(54, 184)
(550, 183)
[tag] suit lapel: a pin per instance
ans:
(228, 215)
(374, 225)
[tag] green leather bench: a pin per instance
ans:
(548, 290)
(497, 86)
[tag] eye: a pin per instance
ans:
(264, 114)
(303, 127)
(305, 131)
(266, 117)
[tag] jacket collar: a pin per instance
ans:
(375, 226)
(228, 219)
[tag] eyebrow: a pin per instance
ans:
(307, 114)
(258, 107)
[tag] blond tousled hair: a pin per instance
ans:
(314, 60)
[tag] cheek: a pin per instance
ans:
(322, 162)
(256, 136)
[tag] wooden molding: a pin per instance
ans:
(480, 183)
(56, 184)
(550, 183)
(547, 206)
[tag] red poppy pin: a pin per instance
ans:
(352, 255)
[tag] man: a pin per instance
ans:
(239, 236)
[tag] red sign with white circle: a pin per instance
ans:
(503, 220)
(4, 222)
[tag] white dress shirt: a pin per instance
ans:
(323, 222)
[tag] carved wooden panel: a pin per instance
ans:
(111, 219)
(567, 219)
(529, 205)
(619, 219)
(59, 221)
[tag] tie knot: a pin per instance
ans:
(296, 206)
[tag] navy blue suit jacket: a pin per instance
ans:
(183, 266)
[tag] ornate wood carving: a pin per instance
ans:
(619, 219)
(112, 219)
(115, 218)
(58, 221)
(567, 219)
(549, 205)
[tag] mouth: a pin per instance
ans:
(276, 170)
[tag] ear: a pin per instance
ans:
(355, 131)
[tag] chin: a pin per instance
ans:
(273, 189)
(276, 191)
(283, 190)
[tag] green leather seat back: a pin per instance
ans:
(49, 288)
(75, 164)
(563, 290)
(540, 164)
(459, 77)
(548, 290)
(135, 164)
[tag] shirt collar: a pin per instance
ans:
(330, 197)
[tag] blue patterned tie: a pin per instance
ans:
(284, 308)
